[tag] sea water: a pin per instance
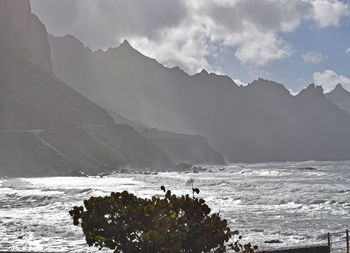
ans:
(293, 203)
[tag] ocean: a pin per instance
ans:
(294, 203)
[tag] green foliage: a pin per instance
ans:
(128, 224)
(237, 246)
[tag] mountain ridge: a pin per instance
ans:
(47, 128)
(255, 123)
(340, 97)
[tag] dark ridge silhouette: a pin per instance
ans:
(47, 128)
(340, 97)
(23, 34)
(255, 123)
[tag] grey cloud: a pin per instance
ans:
(186, 32)
(265, 15)
(105, 22)
(57, 15)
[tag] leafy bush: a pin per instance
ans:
(128, 224)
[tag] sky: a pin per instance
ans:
(293, 42)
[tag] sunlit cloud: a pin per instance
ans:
(239, 82)
(186, 33)
(328, 79)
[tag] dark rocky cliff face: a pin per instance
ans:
(257, 123)
(22, 33)
(46, 127)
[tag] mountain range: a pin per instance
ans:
(65, 109)
(260, 122)
(47, 127)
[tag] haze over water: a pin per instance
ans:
(295, 203)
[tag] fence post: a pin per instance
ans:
(347, 241)
(329, 242)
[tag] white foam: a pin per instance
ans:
(286, 203)
(16, 183)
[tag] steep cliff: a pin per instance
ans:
(46, 127)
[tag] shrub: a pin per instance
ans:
(129, 224)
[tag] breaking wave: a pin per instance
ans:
(283, 202)
(16, 183)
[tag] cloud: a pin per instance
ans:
(313, 57)
(185, 46)
(347, 51)
(251, 27)
(259, 50)
(187, 32)
(328, 79)
(239, 82)
(105, 23)
(328, 13)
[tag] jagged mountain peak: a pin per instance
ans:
(266, 85)
(312, 90)
(204, 72)
(264, 82)
(339, 89)
(213, 79)
(257, 122)
(125, 50)
(340, 97)
(125, 45)
(339, 86)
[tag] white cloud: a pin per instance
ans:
(329, 12)
(258, 50)
(251, 27)
(187, 32)
(313, 57)
(185, 48)
(104, 23)
(239, 82)
(347, 51)
(328, 79)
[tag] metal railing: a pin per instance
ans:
(338, 245)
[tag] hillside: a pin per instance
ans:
(180, 148)
(48, 128)
(256, 123)
(340, 97)
(184, 148)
